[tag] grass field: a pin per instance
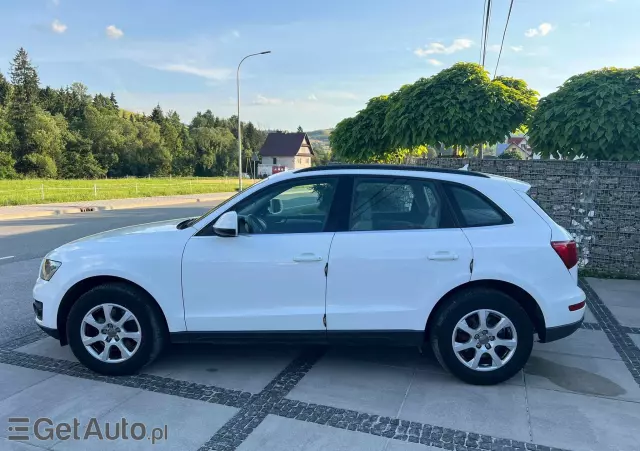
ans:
(36, 191)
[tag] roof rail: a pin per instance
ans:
(391, 167)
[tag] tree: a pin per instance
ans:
(157, 115)
(460, 106)
(300, 130)
(24, 95)
(510, 155)
(595, 115)
(5, 90)
(113, 100)
(7, 144)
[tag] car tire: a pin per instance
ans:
(146, 327)
(464, 309)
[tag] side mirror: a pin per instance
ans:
(275, 206)
(227, 224)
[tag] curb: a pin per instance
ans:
(123, 206)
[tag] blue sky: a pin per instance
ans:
(328, 56)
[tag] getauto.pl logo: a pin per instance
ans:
(45, 429)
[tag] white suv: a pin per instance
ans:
(345, 254)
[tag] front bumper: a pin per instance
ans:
(51, 332)
(558, 332)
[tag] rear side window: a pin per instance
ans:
(475, 209)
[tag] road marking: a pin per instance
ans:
(5, 258)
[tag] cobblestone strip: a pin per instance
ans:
(616, 333)
(22, 341)
(237, 429)
(165, 385)
(402, 430)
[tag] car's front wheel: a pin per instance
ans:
(482, 336)
(114, 329)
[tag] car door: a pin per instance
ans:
(400, 254)
(271, 276)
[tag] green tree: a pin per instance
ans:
(5, 90)
(595, 115)
(510, 155)
(7, 144)
(300, 130)
(24, 96)
(44, 136)
(460, 106)
(157, 115)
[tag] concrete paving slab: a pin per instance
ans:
(16, 283)
(351, 384)
(277, 434)
(63, 398)
(48, 347)
(635, 338)
(247, 368)
(588, 316)
(623, 293)
(583, 342)
(395, 445)
(16, 379)
(584, 375)
(627, 316)
(583, 423)
(499, 410)
(402, 357)
(189, 423)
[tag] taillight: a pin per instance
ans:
(567, 251)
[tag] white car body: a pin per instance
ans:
(374, 281)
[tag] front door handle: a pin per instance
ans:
(307, 257)
(443, 256)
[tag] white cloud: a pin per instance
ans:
(494, 48)
(58, 27)
(312, 97)
(517, 48)
(262, 100)
(542, 30)
(208, 73)
(439, 48)
(434, 62)
(113, 32)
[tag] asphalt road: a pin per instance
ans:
(23, 243)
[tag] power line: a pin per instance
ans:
(486, 31)
(484, 15)
(503, 36)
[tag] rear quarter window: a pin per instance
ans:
(475, 209)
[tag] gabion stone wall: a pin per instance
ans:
(598, 202)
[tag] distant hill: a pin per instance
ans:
(320, 137)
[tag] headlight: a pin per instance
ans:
(49, 268)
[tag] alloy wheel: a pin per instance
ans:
(484, 340)
(110, 333)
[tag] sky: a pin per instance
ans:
(328, 57)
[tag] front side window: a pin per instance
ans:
(295, 207)
(475, 209)
(395, 204)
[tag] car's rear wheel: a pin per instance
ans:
(115, 329)
(482, 336)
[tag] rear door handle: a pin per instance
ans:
(307, 257)
(443, 256)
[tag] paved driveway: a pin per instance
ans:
(581, 393)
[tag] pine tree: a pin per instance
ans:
(157, 115)
(300, 130)
(113, 100)
(24, 96)
(5, 90)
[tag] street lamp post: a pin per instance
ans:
(239, 123)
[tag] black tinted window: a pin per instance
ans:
(475, 209)
(395, 204)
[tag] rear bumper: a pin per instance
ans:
(558, 332)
